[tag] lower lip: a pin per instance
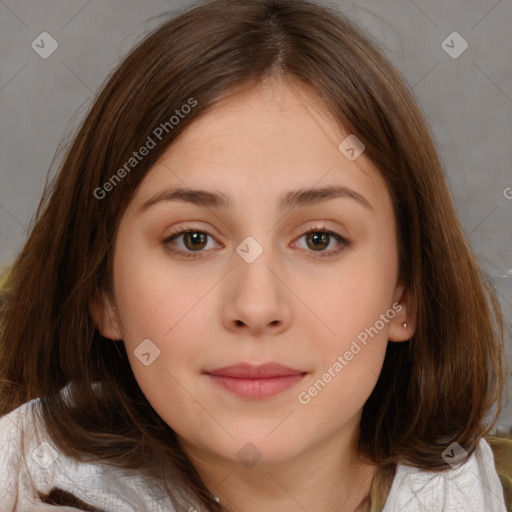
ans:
(258, 388)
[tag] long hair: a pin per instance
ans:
(440, 386)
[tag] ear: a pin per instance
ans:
(105, 318)
(405, 314)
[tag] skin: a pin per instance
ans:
(290, 305)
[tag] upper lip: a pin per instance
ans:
(250, 371)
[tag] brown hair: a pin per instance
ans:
(434, 389)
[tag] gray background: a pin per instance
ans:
(467, 100)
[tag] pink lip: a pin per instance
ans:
(261, 381)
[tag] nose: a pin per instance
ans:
(256, 298)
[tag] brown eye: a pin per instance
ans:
(188, 243)
(192, 243)
(194, 240)
(318, 240)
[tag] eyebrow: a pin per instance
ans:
(289, 200)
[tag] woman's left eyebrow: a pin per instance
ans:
(289, 200)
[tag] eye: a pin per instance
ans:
(195, 240)
(318, 238)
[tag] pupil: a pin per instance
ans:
(320, 237)
(197, 239)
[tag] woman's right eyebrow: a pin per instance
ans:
(289, 200)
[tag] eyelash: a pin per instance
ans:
(197, 254)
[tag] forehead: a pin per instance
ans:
(264, 139)
(275, 115)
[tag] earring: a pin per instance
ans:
(405, 325)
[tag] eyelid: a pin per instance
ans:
(187, 227)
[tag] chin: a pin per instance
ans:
(259, 449)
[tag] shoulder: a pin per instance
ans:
(501, 446)
(471, 484)
(17, 442)
(32, 466)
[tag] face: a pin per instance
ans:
(305, 283)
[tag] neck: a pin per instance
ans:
(324, 478)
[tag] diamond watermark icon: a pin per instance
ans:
(44, 455)
(454, 45)
(454, 455)
(351, 147)
(44, 45)
(249, 455)
(146, 352)
(249, 249)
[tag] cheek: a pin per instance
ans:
(349, 359)
(351, 341)
(354, 298)
(153, 294)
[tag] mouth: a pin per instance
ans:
(256, 382)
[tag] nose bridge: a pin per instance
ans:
(255, 257)
(256, 296)
(259, 231)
